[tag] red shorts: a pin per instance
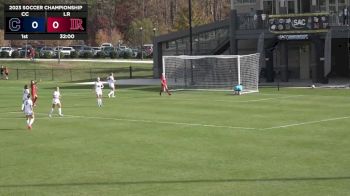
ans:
(34, 94)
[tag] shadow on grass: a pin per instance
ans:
(9, 129)
(123, 87)
(10, 107)
(81, 106)
(120, 183)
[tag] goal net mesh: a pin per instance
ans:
(221, 72)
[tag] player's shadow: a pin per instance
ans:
(141, 88)
(9, 129)
(129, 87)
(121, 183)
(7, 106)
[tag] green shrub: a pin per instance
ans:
(126, 54)
(100, 54)
(63, 56)
(4, 54)
(15, 54)
(37, 55)
(87, 55)
(139, 55)
(74, 54)
(47, 55)
(113, 54)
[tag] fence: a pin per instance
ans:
(67, 74)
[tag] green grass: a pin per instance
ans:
(75, 71)
(291, 142)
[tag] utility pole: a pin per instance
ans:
(190, 24)
(141, 49)
(233, 26)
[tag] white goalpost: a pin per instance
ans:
(212, 72)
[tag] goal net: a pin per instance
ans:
(217, 72)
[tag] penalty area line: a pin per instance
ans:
(307, 123)
(160, 122)
(143, 121)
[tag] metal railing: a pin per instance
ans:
(249, 22)
(72, 74)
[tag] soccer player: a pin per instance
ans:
(164, 85)
(111, 82)
(56, 102)
(32, 54)
(25, 95)
(6, 70)
(34, 91)
(98, 89)
(238, 89)
(2, 72)
(29, 112)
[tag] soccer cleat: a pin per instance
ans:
(29, 127)
(61, 115)
(50, 115)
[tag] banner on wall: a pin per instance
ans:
(299, 23)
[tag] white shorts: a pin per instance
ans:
(56, 101)
(111, 86)
(28, 113)
(99, 93)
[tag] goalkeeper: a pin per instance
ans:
(238, 89)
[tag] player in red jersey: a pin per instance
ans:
(164, 85)
(32, 54)
(34, 91)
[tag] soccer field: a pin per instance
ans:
(288, 142)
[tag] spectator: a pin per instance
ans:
(6, 71)
(2, 72)
(345, 16)
(32, 54)
(341, 17)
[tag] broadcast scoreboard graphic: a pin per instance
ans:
(45, 22)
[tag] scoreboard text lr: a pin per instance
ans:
(45, 22)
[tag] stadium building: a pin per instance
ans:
(299, 40)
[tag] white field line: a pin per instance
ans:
(161, 122)
(143, 121)
(186, 124)
(237, 101)
(272, 98)
(307, 123)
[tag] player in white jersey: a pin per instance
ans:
(98, 89)
(25, 95)
(56, 96)
(29, 112)
(111, 84)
